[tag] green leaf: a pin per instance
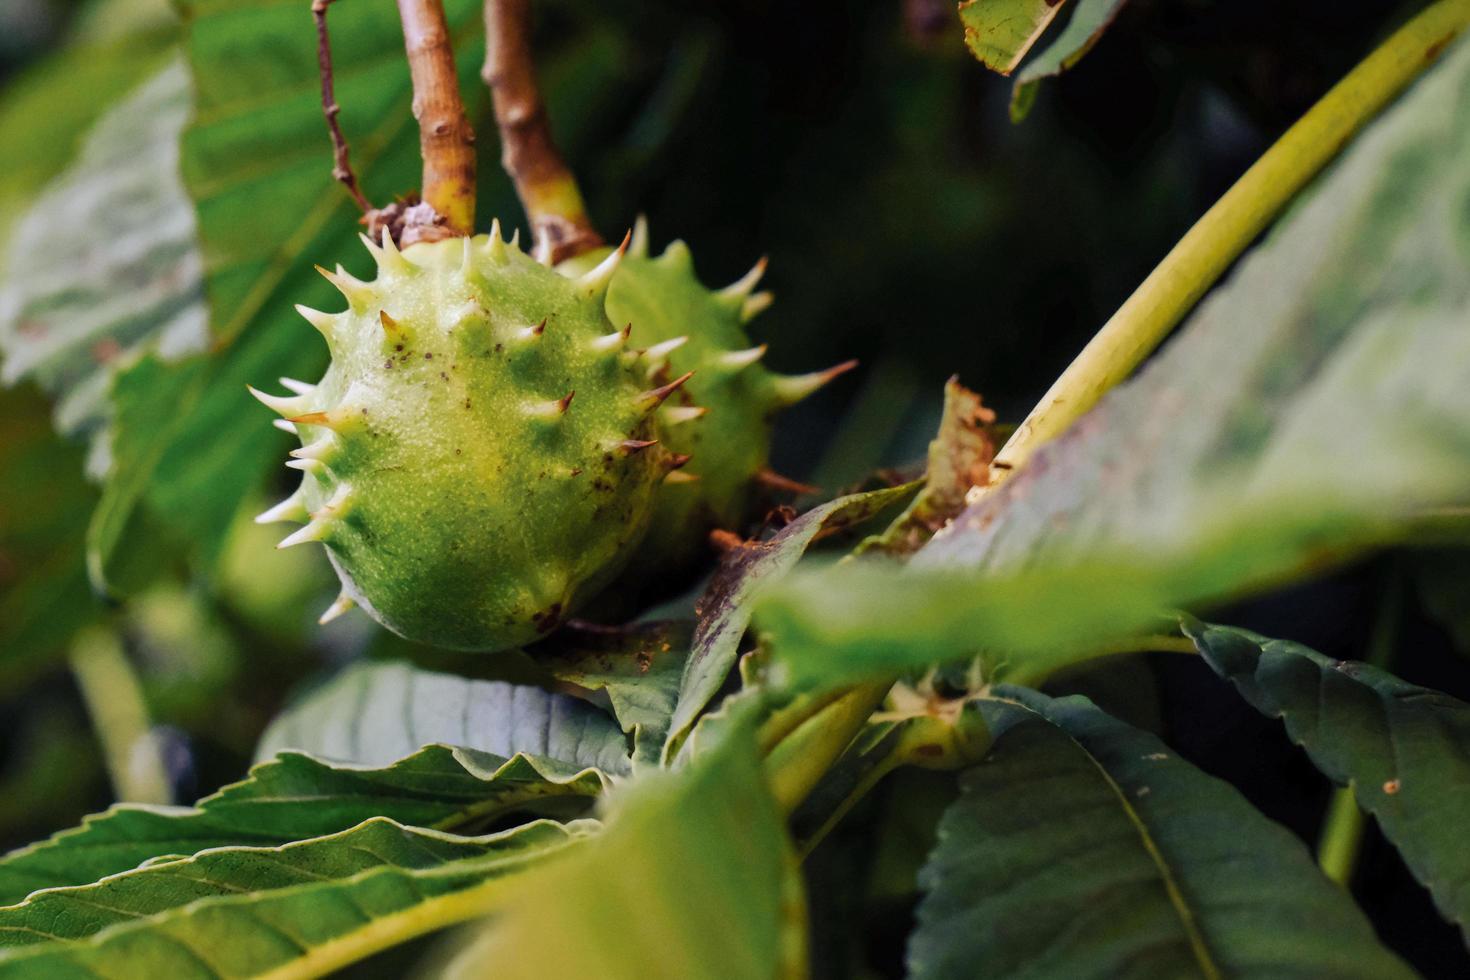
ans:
(307, 907)
(1090, 18)
(1086, 848)
(726, 607)
(1404, 750)
(639, 666)
(108, 267)
(294, 797)
(1236, 458)
(373, 714)
(693, 877)
(864, 620)
(1000, 32)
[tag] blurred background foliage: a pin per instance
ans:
(908, 224)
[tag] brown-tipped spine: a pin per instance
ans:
(629, 447)
(654, 397)
(793, 388)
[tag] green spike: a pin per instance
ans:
(755, 305)
(735, 293)
(612, 341)
(291, 509)
(280, 404)
(739, 360)
(342, 604)
(359, 294)
(594, 282)
(318, 529)
(792, 388)
(638, 247)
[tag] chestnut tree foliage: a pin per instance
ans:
(641, 782)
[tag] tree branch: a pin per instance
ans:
(446, 141)
(341, 168)
(547, 189)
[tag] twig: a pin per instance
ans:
(446, 141)
(547, 189)
(341, 168)
(114, 700)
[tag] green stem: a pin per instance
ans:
(892, 760)
(1227, 228)
(788, 718)
(926, 741)
(1341, 838)
(119, 714)
(1146, 318)
(802, 758)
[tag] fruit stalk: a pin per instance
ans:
(547, 189)
(446, 141)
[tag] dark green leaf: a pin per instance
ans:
(373, 714)
(294, 797)
(726, 607)
(1404, 750)
(306, 907)
(1236, 458)
(1085, 848)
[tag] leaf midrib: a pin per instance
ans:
(1175, 894)
(454, 906)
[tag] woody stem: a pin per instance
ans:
(547, 188)
(446, 141)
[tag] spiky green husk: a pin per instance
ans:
(480, 456)
(726, 409)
